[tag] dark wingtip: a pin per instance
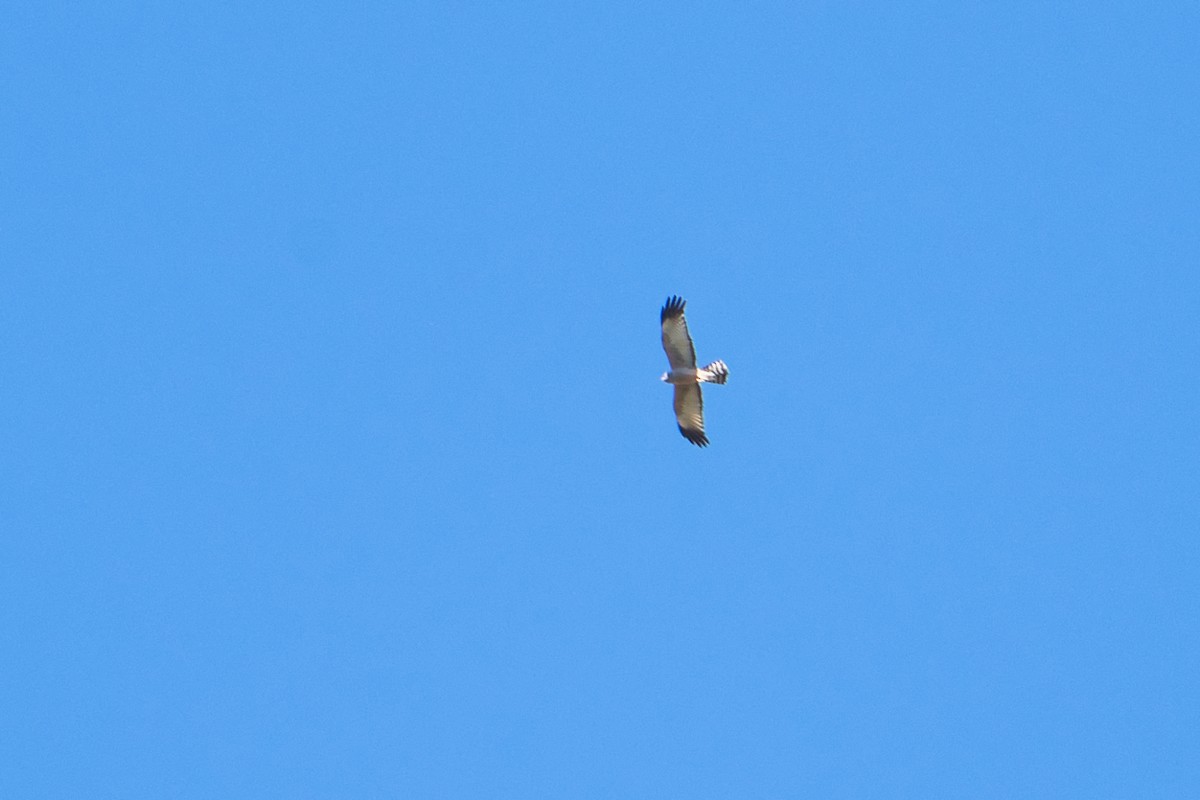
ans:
(673, 307)
(695, 437)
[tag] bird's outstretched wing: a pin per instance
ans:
(689, 412)
(675, 337)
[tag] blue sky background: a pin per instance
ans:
(336, 462)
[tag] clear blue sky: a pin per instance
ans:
(336, 464)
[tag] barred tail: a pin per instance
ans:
(716, 372)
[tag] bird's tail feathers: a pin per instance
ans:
(716, 372)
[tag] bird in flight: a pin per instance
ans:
(689, 403)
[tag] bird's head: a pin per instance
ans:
(666, 376)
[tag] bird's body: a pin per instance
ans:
(681, 376)
(684, 375)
